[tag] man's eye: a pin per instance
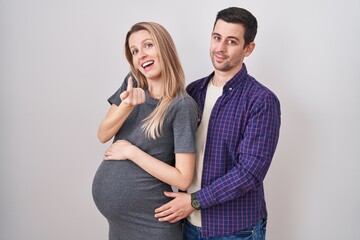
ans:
(217, 38)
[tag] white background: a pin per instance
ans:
(61, 60)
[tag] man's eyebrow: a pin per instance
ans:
(228, 37)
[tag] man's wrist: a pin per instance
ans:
(194, 202)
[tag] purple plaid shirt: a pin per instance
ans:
(241, 140)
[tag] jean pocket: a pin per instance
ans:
(242, 235)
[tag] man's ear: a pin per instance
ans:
(249, 48)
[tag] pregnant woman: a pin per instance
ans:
(153, 123)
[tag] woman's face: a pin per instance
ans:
(145, 55)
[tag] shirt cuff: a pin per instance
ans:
(206, 198)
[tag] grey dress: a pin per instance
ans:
(127, 195)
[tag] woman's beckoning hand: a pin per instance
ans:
(132, 96)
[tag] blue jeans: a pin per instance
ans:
(257, 232)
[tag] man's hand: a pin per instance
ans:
(175, 210)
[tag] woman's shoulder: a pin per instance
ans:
(183, 104)
(184, 108)
(183, 99)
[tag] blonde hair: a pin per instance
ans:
(172, 74)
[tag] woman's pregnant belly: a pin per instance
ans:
(122, 190)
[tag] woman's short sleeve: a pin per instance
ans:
(185, 124)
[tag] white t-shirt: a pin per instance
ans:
(212, 94)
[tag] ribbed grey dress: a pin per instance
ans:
(127, 195)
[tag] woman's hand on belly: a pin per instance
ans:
(119, 150)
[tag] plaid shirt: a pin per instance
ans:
(241, 140)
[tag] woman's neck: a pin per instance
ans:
(155, 89)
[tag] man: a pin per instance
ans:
(236, 141)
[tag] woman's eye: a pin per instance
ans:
(133, 52)
(148, 45)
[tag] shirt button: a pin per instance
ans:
(230, 89)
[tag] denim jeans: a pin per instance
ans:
(257, 232)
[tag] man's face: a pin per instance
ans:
(227, 49)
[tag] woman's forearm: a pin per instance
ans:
(179, 176)
(113, 121)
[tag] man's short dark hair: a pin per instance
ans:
(240, 16)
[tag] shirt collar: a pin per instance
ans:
(233, 83)
(237, 80)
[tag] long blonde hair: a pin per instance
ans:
(172, 74)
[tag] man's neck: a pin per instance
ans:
(220, 78)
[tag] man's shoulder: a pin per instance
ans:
(196, 85)
(255, 87)
(197, 82)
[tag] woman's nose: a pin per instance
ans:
(142, 54)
